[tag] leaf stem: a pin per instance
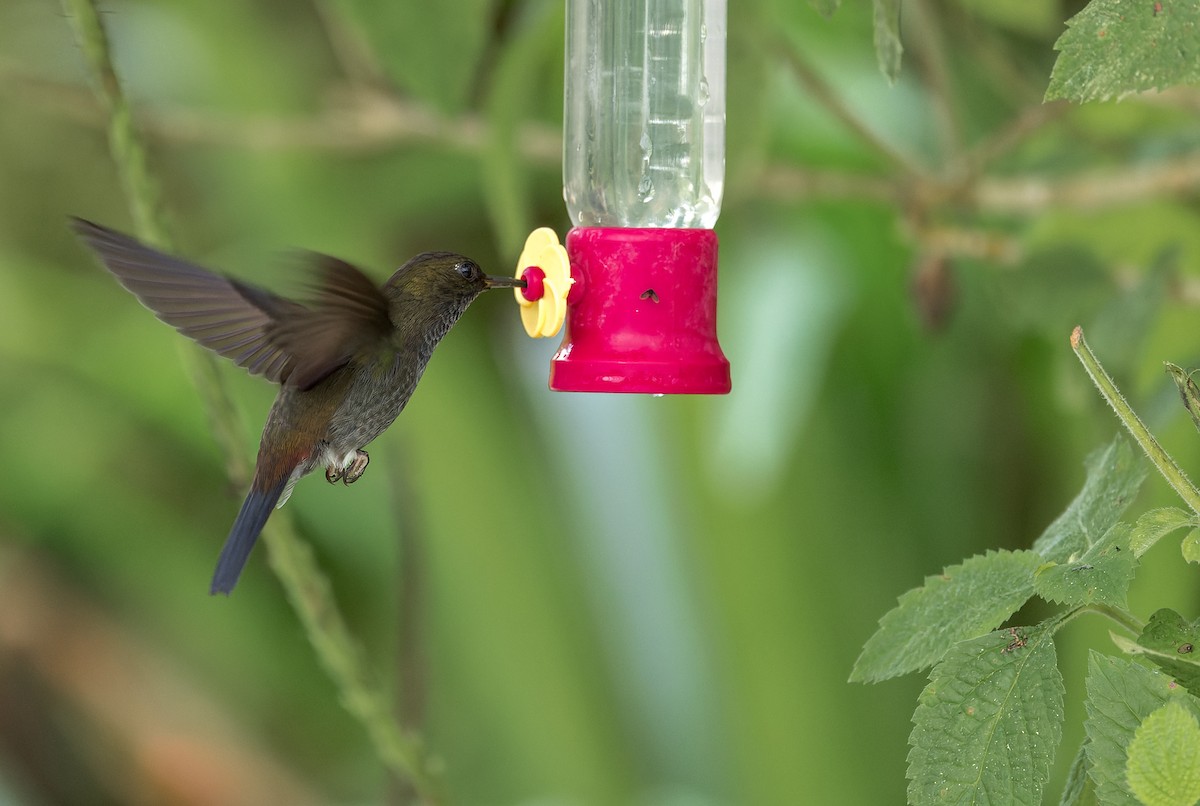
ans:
(1120, 616)
(290, 557)
(1172, 472)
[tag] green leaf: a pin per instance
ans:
(1171, 643)
(965, 601)
(1114, 475)
(1116, 47)
(825, 8)
(1121, 693)
(1164, 758)
(1101, 574)
(888, 48)
(1157, 524)
(987, 724)
(1191, 546)
(1079, 789)
(1188, 390)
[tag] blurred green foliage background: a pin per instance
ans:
(576, 599)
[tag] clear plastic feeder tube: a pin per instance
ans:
(644, 114)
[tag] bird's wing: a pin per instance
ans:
(348, 318)
(269, 335)
(224, 315)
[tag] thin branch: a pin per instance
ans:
(829, 98)
(124, 143)
(1087, 190)
(789, 183)
(1027, 122)
(977, 244)
(1016, 79)
(929, 47)
(362, 121)
(349, 44)
(1020, 196)
(289, 556)
(411, 666)
(370, 121)
(357, 120)
(311, 596)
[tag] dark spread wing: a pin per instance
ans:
(267, 334)
(224, 315)
(349, 318)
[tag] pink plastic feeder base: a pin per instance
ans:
(642, 316)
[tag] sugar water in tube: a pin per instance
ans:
(644, 113)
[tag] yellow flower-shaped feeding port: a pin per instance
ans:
(544, 267)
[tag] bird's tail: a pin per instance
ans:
(250, 520)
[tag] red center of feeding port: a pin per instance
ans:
(534, 287)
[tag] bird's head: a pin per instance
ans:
(442, 281)
(428, 294)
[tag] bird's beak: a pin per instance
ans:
(491, 281)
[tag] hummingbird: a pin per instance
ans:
(347, 360)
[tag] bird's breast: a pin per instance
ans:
(378, 391)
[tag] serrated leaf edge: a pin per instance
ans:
(856, 677)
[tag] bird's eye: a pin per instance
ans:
(466, 269)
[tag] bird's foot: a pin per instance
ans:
(354, 471)
(349, 469)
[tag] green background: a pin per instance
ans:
(577, 599)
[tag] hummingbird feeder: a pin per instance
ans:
(643, 173)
